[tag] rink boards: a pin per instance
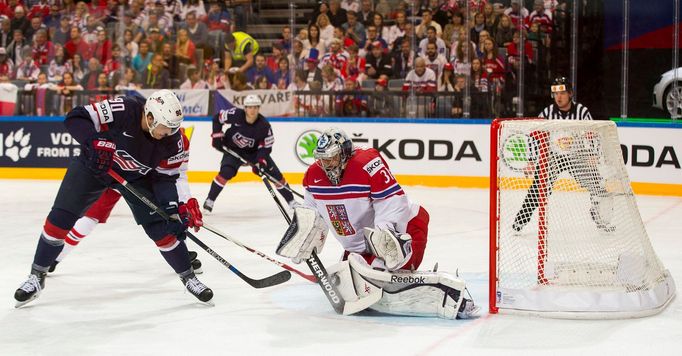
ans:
(427, 152)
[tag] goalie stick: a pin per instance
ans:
(328, 286)
(270, 281)
(263, 173)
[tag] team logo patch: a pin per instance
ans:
(338, 216)
(374, 166)
(128, 163)
(242, 141)
(104, 114)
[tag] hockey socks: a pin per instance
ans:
(84, 226)
(216, 187)
(177, 257)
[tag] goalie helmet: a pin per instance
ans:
(165, 109)
(560, 84)
(331, 144)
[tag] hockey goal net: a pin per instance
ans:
(566, 237)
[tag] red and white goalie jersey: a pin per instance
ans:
(367, 196)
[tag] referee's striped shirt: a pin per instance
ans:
(577, 112)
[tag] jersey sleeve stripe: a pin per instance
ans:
(94, 116)
(169, 171)
(396, 189)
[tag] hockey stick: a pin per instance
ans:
(270, 281)
(315, 264)
(261, 170)
(238, 243)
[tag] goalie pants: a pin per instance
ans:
(77, 195)
(418, 228)
(578, 167)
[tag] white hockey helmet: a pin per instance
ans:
(166, 110)
(332, 143)
(252, 100)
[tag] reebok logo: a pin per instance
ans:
(15, 145)
(408, 279)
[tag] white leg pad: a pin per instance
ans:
(356, 291)
(434, 294)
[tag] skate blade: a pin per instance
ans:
(21, 304)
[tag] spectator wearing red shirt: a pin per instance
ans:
(43, 49)
(6, 64)
(77, 45)
(102, 47)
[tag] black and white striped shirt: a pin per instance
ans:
(577, 112)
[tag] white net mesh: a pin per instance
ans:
(569, 234)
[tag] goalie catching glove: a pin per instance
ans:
(306, 233)
(394, 248)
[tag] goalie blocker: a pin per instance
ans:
(398, 292)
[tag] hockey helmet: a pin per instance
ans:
(252, 100)
(331, 144)
(560, 84)
(165, 109)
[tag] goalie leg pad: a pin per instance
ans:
(357, 292)
(433, 294)
(307, 233)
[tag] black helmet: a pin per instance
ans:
(560, 84)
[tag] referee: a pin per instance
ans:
(578, 155)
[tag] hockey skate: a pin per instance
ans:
(30, 289)
(601, 224)
(208, 205)
(198, 289)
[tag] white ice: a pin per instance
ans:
(115, 295)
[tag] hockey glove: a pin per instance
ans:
(99, 151)
(307, 233)
(190, 214)
(394, 248)
(259, 166)
(217, 140)
(176, 226)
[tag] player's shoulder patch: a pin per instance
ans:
(373, 166)
(103, 112)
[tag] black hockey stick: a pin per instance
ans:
(238, 243)
(315, 264)
(270, 281)
(260, 170)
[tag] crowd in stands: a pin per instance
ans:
(348, 55)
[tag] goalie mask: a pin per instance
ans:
(333, 151)
(165, 109)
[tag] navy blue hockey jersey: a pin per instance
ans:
(138, 155)
(242, 137)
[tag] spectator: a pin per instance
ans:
(129, 48)
(378, 62)
(351, 102)
(300, 101)
(431, 37)
(515, 12)
(218, 20)
(505, 31)
(128, 24)
(297, 56)
(80, 13)
(433, 59)
(143, 58)
(113, 64)
(41, 83)
(356, 64)
(62, 33)
(28, 70)
(383, 8)
(315, 40)
(285, 39)
(478, 27)
(451, 30)
(479, 78)
(422, 79)
(323, 9)
(89, 32)
(372, 36)
(283, 74)
(185, 48)
(326, 30)
(457, 110)
(313, 72)
(272, 61)
(513, 53)
(331, 82)
(103, 82)
(20, 22)
(36, 24)
(102, 48)
(43, 50)
(240, 50)
(156, 40)
(77, 45)
(455, 45)
(337, 57)
(260, 70)
(164, 18)
(337, 15)
(262, 83)
(194, 6)
(77, 66)
(492, 19)
(493, 64)
(170, 61)
(446, 81)
(127, 81)
(14, 51)
(90, 78)
(354, 29)
(540, 15)
(198, 31)
(379, 103)
(6, 34)
(427, 20)
(397, 30)
(67, 90)
(214, 74)
(6, 64)
(194, 80)
(382, 30)
(40, 94)
(238, 82)
(366, 15)
(409, 36)
(155, 76)
(403, 61)
(350, 5)
(39, 9)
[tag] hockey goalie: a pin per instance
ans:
(352, 192)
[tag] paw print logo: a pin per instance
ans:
(16, 145)
(305, 146)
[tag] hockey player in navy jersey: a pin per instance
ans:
(249, 135)
(142, 139)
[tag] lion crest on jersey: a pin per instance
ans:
(338, 216)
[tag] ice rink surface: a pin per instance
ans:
(115, 295)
